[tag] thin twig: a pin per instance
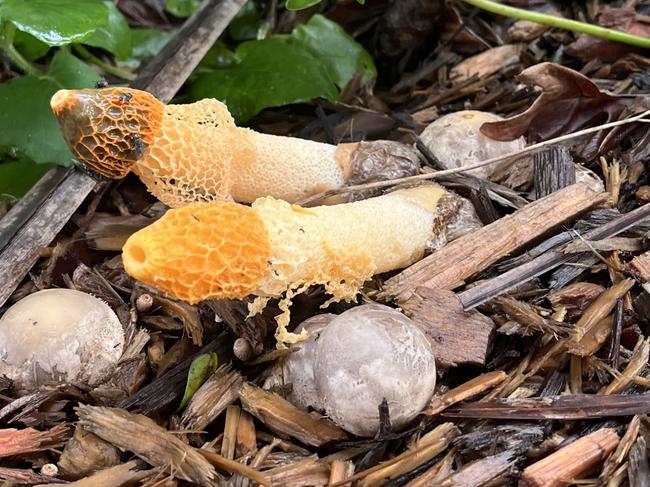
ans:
(235, 467)
(109, 68)
(469, 167)
(560, 22)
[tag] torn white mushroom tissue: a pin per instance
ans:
(362, 356)
(59, 335)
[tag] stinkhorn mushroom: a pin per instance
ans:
(195, 152)
(369, 353)
(227, 250)
(59, 335)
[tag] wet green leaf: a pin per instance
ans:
(246, 24)
(272, 72)
(27, 124)
(301, 4)
(201, 368)
(56, 22)
(115, 37)
(29, 46)
(310, 63)
(146, 44)
(17, 177)
(182, 8)
(343, 56)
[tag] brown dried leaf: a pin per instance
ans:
(571, 102)
(586, 47)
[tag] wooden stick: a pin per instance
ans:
(50, 204)
(437, 472)
(465, 391)
(620, 454)
(230, 432)
(553, 170)
(640, 267)
(440, 437)
(486, 290)
(568, 463)
(281, 416)
(482, 471)
(456, 336)
(164, 390)
(246, 437)
(463, 258)
(569, 407)
(232, 466)
(19, 442)
(341, 470)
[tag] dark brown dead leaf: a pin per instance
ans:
(571, 102)
(627, 20)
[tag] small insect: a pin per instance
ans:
(101, 83)
(138, 146)
(125, 97)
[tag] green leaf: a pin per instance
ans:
(29, 46)
(339, 52)
(311, 63)
(27, 124)
(17, 177)
(146, 44)
(56, 22)
(182, 8)
(201, 368)
(115, 37)
(247, 23)
(301, 4)
(272, 72)
(68, 71)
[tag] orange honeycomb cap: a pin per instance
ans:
(201, 251)
(108, 129)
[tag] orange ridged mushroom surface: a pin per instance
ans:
(108, 130)
(193, 152)
(275, 249)
(200, 251)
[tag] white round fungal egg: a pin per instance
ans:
(298, 369)
(366, 354)
(456, 140)
(59, 335)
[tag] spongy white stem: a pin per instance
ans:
(287, 168)
(342, 245)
